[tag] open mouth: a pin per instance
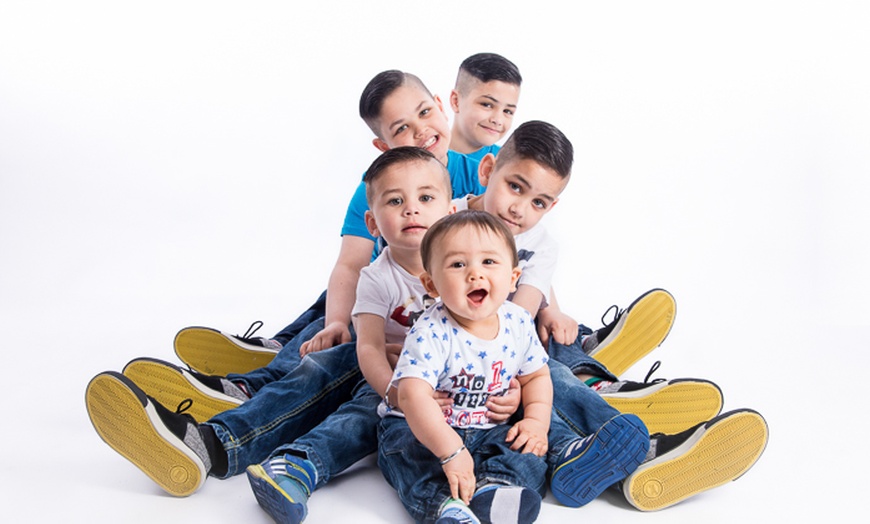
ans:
(477, 296)
(429, 143)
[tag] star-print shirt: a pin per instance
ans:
(450, 359)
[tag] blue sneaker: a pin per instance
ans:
(588, 466)
(282, 485)
(455, 511)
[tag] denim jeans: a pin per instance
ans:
(343, 438)
(416, 474)
(286, 409)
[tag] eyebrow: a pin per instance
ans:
(494, 99)
(427, 187)
(400, 120)
(526, 183)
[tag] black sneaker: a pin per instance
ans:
(666, 406)
(709, 455)
(633, 332)
(166, 446)
(213, 352)
(170, 385)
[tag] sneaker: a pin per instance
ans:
(666, 406)
(212, 352)
(170, 385)
(282, 485)
(455, 511)
(166, 446)
(503, 503)
(588, 466)
(633, 332)
(700, 458)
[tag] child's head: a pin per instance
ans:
(400, 111)
(471, 262)
(484, 101)
(524, 181)
(407, 190)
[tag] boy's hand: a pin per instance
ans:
(331, 335)
(528, 435)
(460, 476)
(444, 401)
(501, 407)
(553, 322)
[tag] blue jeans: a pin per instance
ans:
(343, 438)
(416, 474)
(286, 409)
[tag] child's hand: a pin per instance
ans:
(444, 401)
(460, 476)
(552, 321)
(332, 335)
(528, 435)
(501, 407)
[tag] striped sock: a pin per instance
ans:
(508, 504)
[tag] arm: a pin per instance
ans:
(371, 351)
(530, 434)
(551, 321)
(426, 421)
(355, 254)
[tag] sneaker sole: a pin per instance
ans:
(642, 328)
(272, 498)
(211, 352)
(618, 448)
(670, 407)
(123, 419)
(170, 385)
(719, 452)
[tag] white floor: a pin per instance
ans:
(167, 164)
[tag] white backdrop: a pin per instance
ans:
(165, 164)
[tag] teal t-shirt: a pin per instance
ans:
(483, 151)
(463, 177)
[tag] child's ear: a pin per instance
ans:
(380, 145)
(439, 103)
(371, 224)
(428, 285)
(454, 101)
(515, 276)
(485, 169)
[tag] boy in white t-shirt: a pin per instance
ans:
(471, 345)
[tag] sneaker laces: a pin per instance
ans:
(253, 328)
(183, 406)
(617, 313)
(652, 370)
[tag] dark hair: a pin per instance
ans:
(401, 155)
(371, 102)
(541, 142)
(487, 67)
(480, 220)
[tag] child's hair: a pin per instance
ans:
(481, 220)
(541, 142)
(371, 102)
(487, 67)
(401, 155)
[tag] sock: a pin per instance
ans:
(215, 449)
(454, 511)
(500, 503)
(597, 383)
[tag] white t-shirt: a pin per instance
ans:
(537, 251)
(385, 289)
(450, 359)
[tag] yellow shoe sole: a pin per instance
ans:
(717, 453)
(123, 418)
(643, 327)
(214, 353)
(670, 407)
(173, 386)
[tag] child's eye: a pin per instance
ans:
(508, 112)
(427, 198)
(514, 187)
(400, 129)
(425, 112)
(487, 105)
(489, 262)
(394, 202)
(457, 265)
(540, 204)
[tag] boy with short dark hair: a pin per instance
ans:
(484, 101)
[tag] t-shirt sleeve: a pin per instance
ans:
(372, 294)
(535, 356)
(355, 218)
(540, 266)
(422, 357)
